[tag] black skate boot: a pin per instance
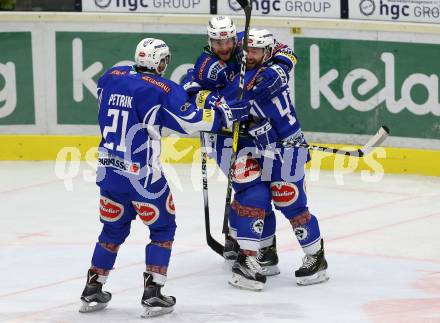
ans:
(93, 298)
(153, 301)
(268, 259)
(231, 249)
(313, 269)
(247, 273)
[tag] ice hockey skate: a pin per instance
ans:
(231, 248)
(247, 273)
(93, 298)
(268, 259)
(313, 269)
(153, 301)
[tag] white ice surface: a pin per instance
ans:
(382, 244)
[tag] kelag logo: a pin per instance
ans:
(364, 84)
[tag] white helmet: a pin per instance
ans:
(150, 52)
(262, 38)
(221, 27)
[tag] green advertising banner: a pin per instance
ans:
(355, 86)
(16, 79)
(82, 57)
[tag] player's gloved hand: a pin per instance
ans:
(285, 58)
(234, 110)
(270, 81)
(263, 134)
(189, 84)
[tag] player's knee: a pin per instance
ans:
(163, 233)
(114, 234)
(257, 196)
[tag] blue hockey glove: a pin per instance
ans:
(270, 82)
(189, 84)
(234, 110)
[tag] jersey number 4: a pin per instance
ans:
(284, 112)
(114, 128)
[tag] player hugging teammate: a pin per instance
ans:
(269, 168)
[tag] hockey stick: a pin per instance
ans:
(247, 11)
(375, 141)
(212, 243)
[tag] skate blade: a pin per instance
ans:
(319, 277)
(92, 307)
(156, 311)
(270, 270)
(244, 283)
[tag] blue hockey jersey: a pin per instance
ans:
(133, 110)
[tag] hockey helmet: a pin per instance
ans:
(221, 27)
(262, 38)
(150, 52)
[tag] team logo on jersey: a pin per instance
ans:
(246, 170)
(109, 210)
(284, 193)
(214, 69)
(170, 204)
(185, 106)
(257, 226)
(301, 233)
(148, 212)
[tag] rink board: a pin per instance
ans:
(187, 150)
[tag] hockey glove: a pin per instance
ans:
(286, 58)
(263, 134)
(270, 82)
(189, 84)
(234, 110)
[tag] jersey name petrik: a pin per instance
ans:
(123, 101)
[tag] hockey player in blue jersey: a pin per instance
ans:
(213, 70)
(135, 103)
(273, 174)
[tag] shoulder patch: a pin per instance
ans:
(118, 72)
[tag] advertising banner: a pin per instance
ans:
(427, 11)
(151, 6)
(284, 8)
(355, 86)
(16, 79)
(82, 57)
